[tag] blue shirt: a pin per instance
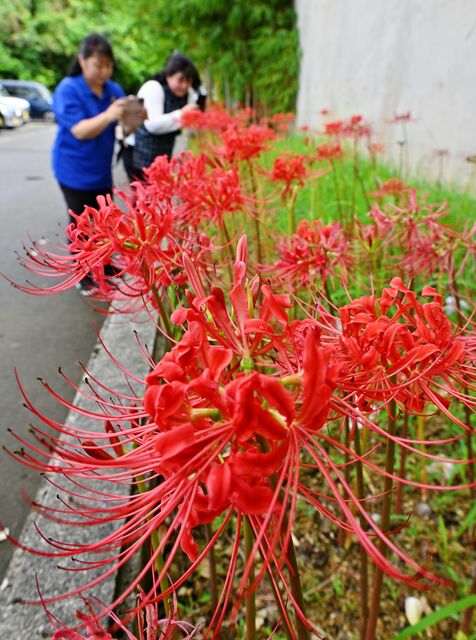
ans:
(83, 164)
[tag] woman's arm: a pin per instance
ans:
(91, 127)
(157, 121)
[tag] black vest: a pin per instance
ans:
(148, 145)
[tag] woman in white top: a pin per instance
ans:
(167, 96)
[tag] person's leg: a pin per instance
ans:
(127, 153)
(76, 200)
(137, 174)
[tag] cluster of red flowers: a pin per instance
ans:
(354, 127)
(265, 376)
(238, 403)
(244, 144)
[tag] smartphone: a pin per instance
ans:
(133, 113)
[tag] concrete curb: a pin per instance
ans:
(17, 620)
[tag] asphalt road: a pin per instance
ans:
(37, 334)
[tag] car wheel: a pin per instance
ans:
(49, 116)
(2, 121)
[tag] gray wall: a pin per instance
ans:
(382, 57)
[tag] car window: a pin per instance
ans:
(23, 92)
(4, 92)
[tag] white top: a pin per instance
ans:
(158, 122)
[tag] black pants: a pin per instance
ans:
(77, 199)
(132, 172)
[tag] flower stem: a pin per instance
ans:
(303, 632)
(212, 567)
(256, 218)
(250, 595)
(386, 509)
(159, 560)
(402, 469)
(162, 310)
(364, 562)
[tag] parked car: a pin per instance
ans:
(19, 106)
(8, 116)
(38, 96)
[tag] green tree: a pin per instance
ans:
(246, 50)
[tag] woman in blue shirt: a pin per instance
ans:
(87, 105)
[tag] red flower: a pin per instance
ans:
(329, 152)
(314, 251)
(391, 187)
(334, 128)
(244, 143)
(401, 117)
(411, 355)
(288, 169)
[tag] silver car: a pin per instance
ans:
(14, 112)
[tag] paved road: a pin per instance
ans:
(37, 334)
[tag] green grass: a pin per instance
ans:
(317, 199)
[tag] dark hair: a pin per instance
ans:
(179, 63)
(94, 43)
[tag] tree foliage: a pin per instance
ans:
(247, 51)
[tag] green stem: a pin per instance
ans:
(212, 567)
(291, 212)
(159, 560)
(336, 188)
(303, 632)
(467, 412)
(364, 561)
(385, 524)
(402, 469)
(256, 217)
(162, 310)
(293, 569)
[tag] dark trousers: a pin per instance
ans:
(77, 199)
(132, 172)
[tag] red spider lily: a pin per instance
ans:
(334, 128)
(356, 127)
(376, 148)
(215, 118)
(379, 232)
(213, 195)
(289, 169)
(281, 122)
(401, 117)
(144, 244)
(412, 355)
(244, 143)
(314, 251)
(231, 413)
(391, 187)
(329, 152)
(205, 192)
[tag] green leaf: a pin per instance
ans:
(437, 616)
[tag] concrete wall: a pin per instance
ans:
(385, 57)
